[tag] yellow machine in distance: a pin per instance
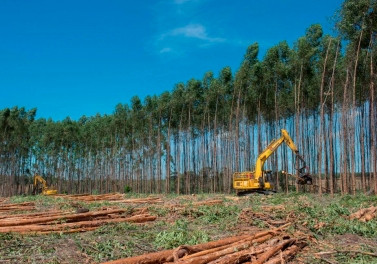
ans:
(259, 180)
(45, 189)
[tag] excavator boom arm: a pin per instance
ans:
(272, 148)
(37, 179)
(45, 189)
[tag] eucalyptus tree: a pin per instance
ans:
(178, 106)
(193, 98)
(242, 82)
(137, 132)
(225, 112)
(305, 79)
(278, 88)
(356, 17)
(123, 124)
(357, 24)
(14, 144)
(166, 116)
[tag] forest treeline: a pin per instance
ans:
(192, 138)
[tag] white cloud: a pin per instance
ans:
(197, 31)
(179, 2)
(166, 50)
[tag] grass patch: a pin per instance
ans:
(180, 234)
(334, 214)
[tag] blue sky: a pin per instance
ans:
(74, 58)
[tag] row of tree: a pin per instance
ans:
(192, 139)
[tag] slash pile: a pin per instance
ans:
(66, 222)
(270, 246)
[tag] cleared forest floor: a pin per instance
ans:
(52, 230)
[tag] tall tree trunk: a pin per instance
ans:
(298, 114)
(353, 182)
(159, 155)
(167, 186)
(276, 134)
(237, 125)
(321, 122)
(373, 125)
(345, 136)
(362, 149)
(331, 133)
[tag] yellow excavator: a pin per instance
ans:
(45, 190)
(259, 180)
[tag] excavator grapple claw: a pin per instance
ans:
(305, 180)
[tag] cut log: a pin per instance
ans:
(21, 222)
(17, 204)
(140, 201)
(287, 254)
(168, 255)
(17, 208)
(66, 227)
(266, 255)
(243, 247)
(365, 214)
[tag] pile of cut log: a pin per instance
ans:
(176, 206)
(148, 200)
(67, 222)
(92, 197)
(208, 202)
(270, 246)
(365, 214)
(7, 207)
(110, 197)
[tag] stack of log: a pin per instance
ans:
(194, 204)
(66, 222)
(93, 198)
(270, 246)
(208, 202)
(111, 197)
(17, 207)
(365, 214)
(148, 200)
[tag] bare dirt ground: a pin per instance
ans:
(98, 229)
